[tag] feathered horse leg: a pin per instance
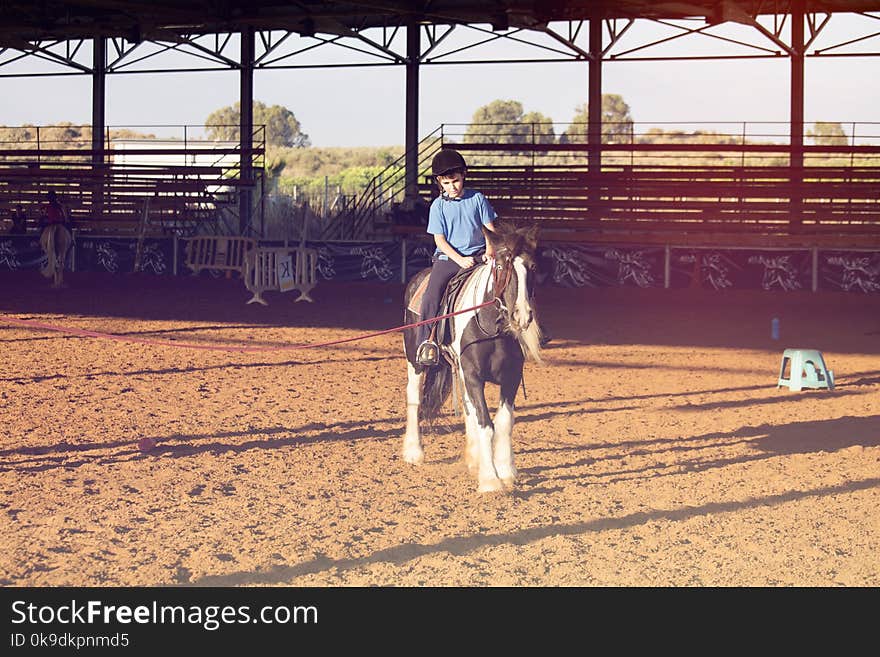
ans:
(503, 448)
(412, 441)
(478, 414)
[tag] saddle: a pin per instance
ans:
(443, 330)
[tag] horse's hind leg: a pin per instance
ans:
(412, 442)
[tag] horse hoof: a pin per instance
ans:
(415, 457)
(491, 486)
(507, 476)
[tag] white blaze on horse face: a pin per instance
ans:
(529, 333)
(522, 310)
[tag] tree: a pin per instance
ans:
(617, 122)
(827, 134)
(540, 127)
(282, 127)
(499, 122)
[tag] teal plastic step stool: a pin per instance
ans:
(807, 370)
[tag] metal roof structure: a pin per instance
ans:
(249, 35)
(22, 21)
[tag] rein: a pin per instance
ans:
(31, 324)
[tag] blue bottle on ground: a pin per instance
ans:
(774, 328)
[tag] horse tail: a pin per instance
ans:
(436, 389)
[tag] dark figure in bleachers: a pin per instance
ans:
(19, 221)
(53, 212)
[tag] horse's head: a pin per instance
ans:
(514, 277)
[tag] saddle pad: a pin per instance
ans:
(452, 288)
(415, 303)
(447, 303)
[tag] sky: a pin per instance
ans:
(365, 106)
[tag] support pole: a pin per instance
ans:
(403, 260)
(245, 199)
(413, 57)
(594, 111)
(796, 143)
(99, 95)
(815, 268)
(667, 266)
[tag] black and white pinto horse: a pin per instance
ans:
(488, 345)
(55, 241)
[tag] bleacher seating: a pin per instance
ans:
(674, 203)
(110, 197)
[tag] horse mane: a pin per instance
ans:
(510, 241)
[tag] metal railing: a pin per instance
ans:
(383, 192)
(189, 178)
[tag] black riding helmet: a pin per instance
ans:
(446, 161)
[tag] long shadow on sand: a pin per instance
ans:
(171, 448)
(356, 429)
(189, 370)
(463, 545)
(766, 441)
(189, 329)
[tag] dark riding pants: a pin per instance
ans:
(441, 273)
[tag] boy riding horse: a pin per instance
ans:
(455, 219)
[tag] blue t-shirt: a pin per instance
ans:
(459, 221)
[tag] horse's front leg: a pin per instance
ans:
(471, 432)
(478, 414)
(503, 454)
(412, 441)
(472, 442)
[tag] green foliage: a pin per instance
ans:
(659, 136)
(541, 128)
(347, 169)
(499, 122)
(309, 162)
(617, 122)
(826, 133)
(64, 136)
(503, 121)
(282, 127)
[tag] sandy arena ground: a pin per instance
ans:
(654, 448)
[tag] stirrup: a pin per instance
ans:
(428, 353)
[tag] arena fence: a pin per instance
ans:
(672, 265)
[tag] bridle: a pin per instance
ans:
(501, 276)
